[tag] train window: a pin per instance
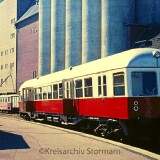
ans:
(39, 93)
(60, 91)
(99, 86)
(67, 90)
(29, 94)
(118, 84)
(49, 92)
(9, 99)
(79, 90)
(104, 86)
(36, 93)
(144, 83)
(55, 91)
(44, 92)
(88, 87)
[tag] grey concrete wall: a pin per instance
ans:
(73, 51)
(115, 15)
(91, 30)
(44, 37)
(58, 20)
(79, 31)
(148, 11)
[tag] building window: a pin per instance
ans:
(6, 66)
(2, 53)
(12, 50)
(1, 67)
(13, 21)
(34, 30)
(34, 74)
(11, 65)
(6, 52)
(12, 36)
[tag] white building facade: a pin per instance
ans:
(8, 15)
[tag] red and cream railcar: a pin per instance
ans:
(9, 103)
(121, 92)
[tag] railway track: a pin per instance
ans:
(142, 143)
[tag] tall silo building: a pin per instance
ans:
(44, 66)
(73, 32)
(58, 20)
(91, 30)
(115, 17)
(148, 12)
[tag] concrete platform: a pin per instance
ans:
(32, 141)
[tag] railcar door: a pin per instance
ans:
(14, 100)
(28, 99)
(68, 97)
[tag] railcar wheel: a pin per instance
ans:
(115, 134)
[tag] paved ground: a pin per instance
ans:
(22, 140)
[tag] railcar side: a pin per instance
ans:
(9, 103)
(115, 99)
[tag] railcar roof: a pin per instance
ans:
(141, 57)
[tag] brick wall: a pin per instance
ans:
(27, 57)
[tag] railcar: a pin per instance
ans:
(9, 103)
(116, 95)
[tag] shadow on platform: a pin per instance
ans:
(12, 141)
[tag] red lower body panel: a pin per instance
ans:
(109, 107)
(5, 106)
(49, 106)
(118, 108)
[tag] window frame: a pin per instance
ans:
(79, 88)
(102, 85)
(142, 72)
(119, 85)
(88, 88)
(55, 91)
